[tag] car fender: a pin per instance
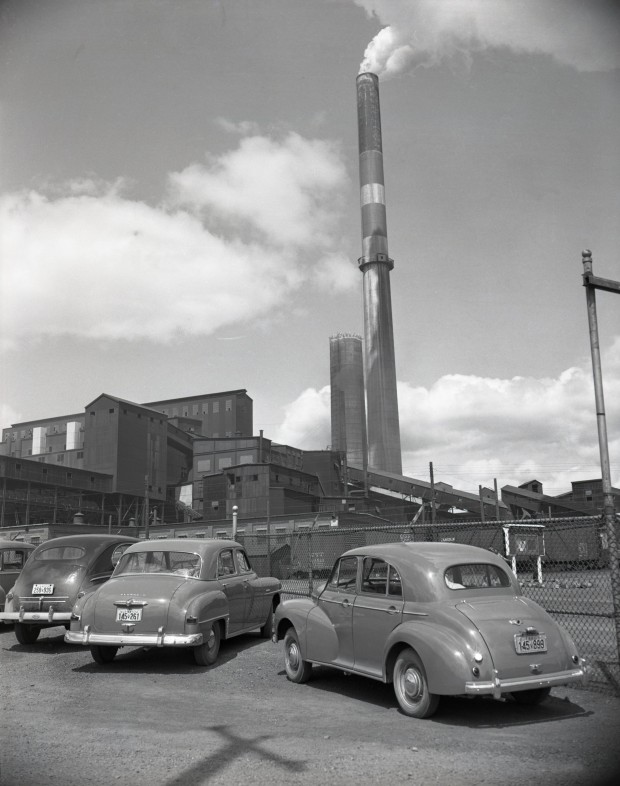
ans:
(448, 658)
(207, 607)
(293, 612)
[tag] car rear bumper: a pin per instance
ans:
(497, 686)
(35, 617)
(159, 639)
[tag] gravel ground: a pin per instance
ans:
(153, 717)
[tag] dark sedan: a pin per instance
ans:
(59, 572)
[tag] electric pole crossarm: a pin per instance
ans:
(601, 283)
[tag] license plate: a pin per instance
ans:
(525, 644)
(42, 589)
(128, 615)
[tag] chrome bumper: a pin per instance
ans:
(41, 617)
(496, 687)
(159, 639)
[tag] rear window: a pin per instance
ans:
(478, 576)
(60, 553)
(180, 563)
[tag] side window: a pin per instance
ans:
(106, 561)
(225, 564)
(344, 574)
(103, 563)
(12, 559)
(242, 562)
(395, 585)
(374, 576)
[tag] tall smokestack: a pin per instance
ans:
(375, 264)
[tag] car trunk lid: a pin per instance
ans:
(517, 634)
(134, 601)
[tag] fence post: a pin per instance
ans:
(591, 283)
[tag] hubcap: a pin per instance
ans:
(293, 655)
(211, 640)
(412, 684)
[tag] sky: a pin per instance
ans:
(179, 215)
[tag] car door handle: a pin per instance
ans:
(345, 603)
(392, 610)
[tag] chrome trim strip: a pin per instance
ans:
(497, 686)
(387, 609)
(134, 639)
(416, 613)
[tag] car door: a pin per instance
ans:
(236, 589)
(255, 610)
(330, 630)
(12, 561)
(378, 610)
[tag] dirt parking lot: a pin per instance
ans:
(153, 717)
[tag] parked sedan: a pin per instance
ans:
(433, 619)
(58, 572)
(13, 556)
(176, 593)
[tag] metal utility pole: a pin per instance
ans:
(592, 283)
(432, 474)
(146, 507)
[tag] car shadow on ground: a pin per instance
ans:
(476, 712)
(168, 660)
(233, 747)
(49, 644)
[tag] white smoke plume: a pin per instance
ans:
(583, 35)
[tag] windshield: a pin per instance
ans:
(60, 553)
(180, 563)
(478, 576)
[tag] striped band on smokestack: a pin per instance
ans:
(372, 188)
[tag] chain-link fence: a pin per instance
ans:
(562, 564)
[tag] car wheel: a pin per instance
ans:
(411, 686)
(297, 669)
(531, 697)
(267, 630)
(26, 634)
(103, 654)
(206, 654)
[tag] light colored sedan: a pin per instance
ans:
(433, 619)
(176, 593)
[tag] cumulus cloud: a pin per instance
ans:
(307, 421)
(94, 263)
(277, 188)
(584, 35)
(9, 415)
(475, 429)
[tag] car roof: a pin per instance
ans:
(200, 546)
(423, 562)
(20, 544)
(432, 552)
(92, 543)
